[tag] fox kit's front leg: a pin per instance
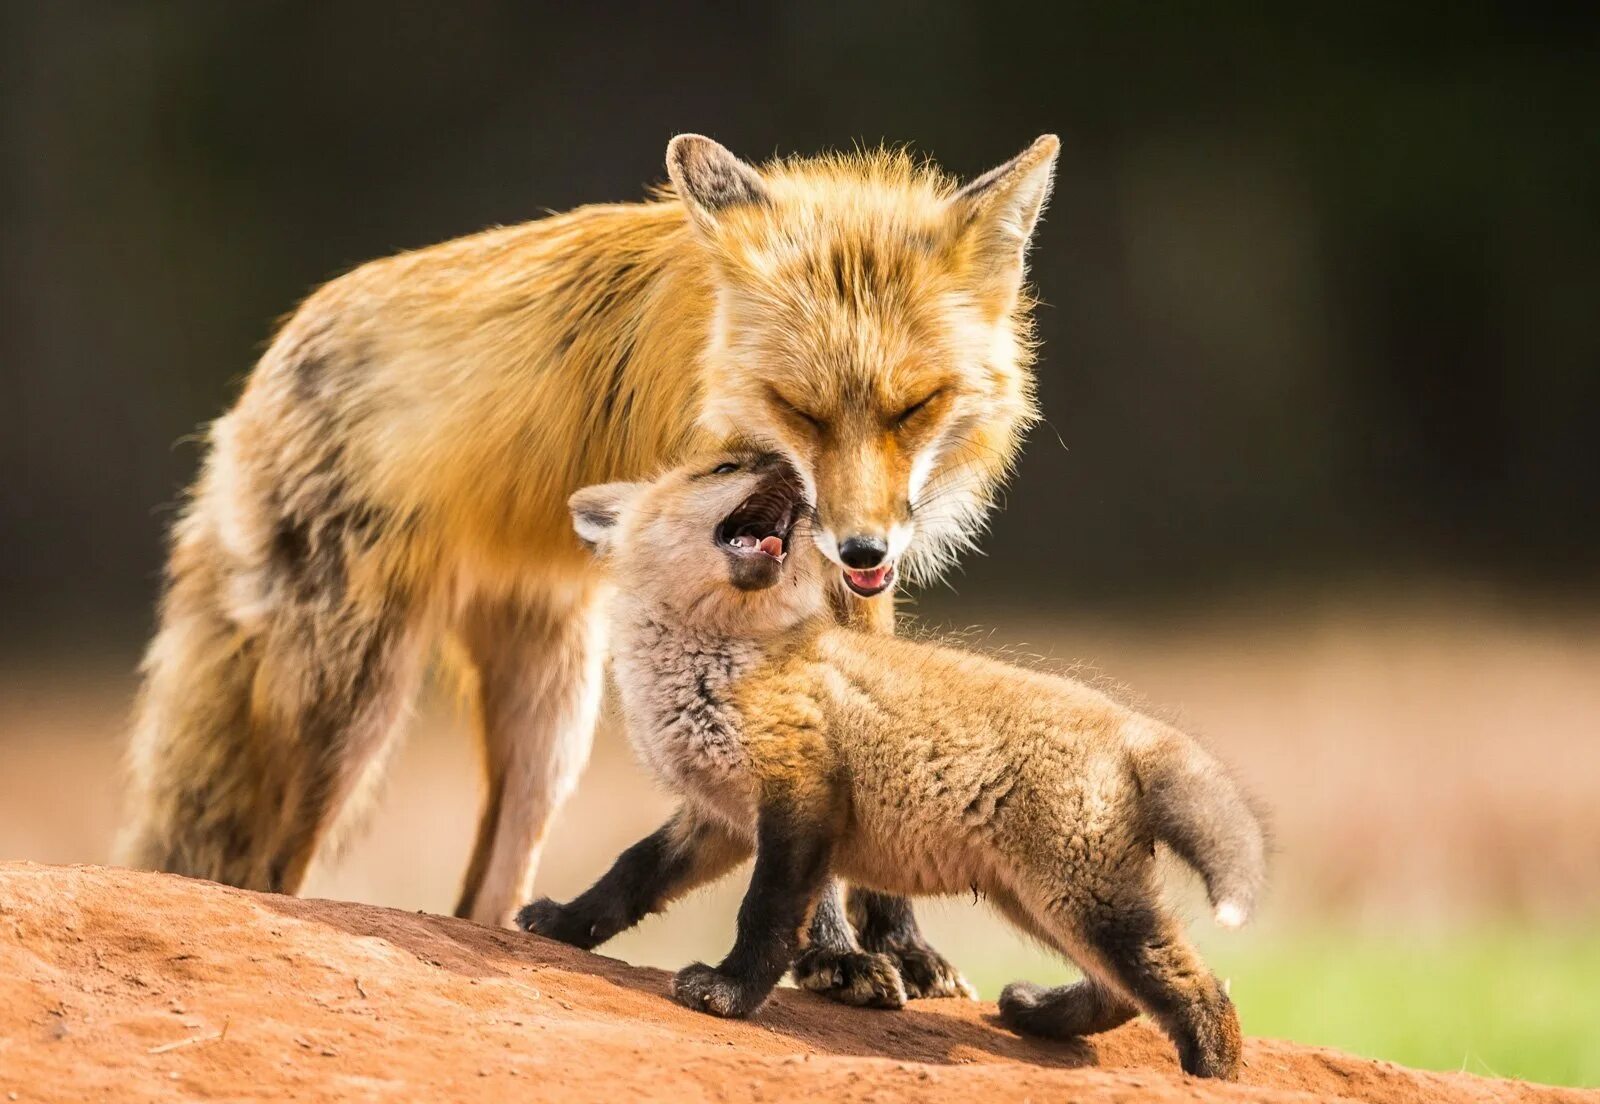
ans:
(793, 847)
(849, 967)
(682, 855)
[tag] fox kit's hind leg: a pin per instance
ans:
(536, 668)
(1085, 1007)
(1134, 956)
(1066, 1012)
(1145, 953)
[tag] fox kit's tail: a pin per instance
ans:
(1195, 808)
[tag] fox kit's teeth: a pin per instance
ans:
(771, 545)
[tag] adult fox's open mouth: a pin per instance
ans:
(871, 581)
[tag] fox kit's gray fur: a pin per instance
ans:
(908, 767)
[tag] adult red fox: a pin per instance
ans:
(395, 475)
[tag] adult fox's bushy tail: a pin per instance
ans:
(194, 771)
(1195, 808)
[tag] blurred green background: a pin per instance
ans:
(1321, 369)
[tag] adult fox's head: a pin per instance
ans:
(871, 326)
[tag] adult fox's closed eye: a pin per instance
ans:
(396, 470)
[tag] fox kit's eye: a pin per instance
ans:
(914, 409)
(725, 468)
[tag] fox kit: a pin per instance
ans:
(904, 766)
(396, 470)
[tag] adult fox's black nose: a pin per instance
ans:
(863, 552)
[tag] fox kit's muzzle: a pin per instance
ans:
(756, 536)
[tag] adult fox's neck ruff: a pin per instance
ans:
(396, 471)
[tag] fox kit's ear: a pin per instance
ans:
(709, 179)
(596, 511)
(1001, 207)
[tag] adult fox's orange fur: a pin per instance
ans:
(396, 472)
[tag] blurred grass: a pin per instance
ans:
(1500, 1001)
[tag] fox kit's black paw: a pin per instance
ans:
(888, 926)
(1208, 1038)
(851, 977)
(1066, 1012)
(554, 920)
(703, 989)
(927, 973)
(1023, 1009)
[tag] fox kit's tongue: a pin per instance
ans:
(771, 545)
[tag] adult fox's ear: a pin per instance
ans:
(999, 209)
(597, 510)
(709, 179)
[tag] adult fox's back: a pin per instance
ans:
(475, 383)
(396, 469)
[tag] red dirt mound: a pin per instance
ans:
(144, 987)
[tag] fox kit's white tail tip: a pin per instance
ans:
(1231, 914)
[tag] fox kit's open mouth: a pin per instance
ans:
(756, 535)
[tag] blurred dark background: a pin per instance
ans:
(1320, 292)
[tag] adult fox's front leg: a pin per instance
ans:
(535, 665)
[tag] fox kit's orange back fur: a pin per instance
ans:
(900, 765)
(396, 470)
